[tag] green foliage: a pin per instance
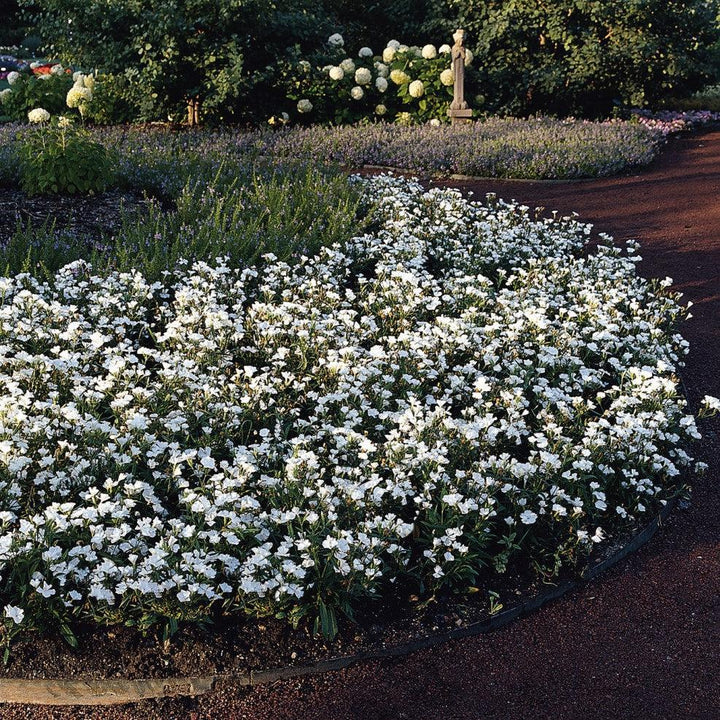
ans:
(30, 91)
(170, 51)
(55, 159)
(581, 56)
(288, 210)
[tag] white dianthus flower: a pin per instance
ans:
(336, 73)
(447, 77)
(357, 93)
(416, 89)
(304, 106)
(363, 76)
(365, 52)
(429, 52)
(15, 613)
(381, 84)
(348, 65)
(38, 116)
(336, 40)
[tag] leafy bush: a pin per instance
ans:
(31, 91)
(403, 83)
(171, 51)
(58, 158)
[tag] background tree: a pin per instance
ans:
(583, 56)
(11, 29)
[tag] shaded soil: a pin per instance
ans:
(641, 642)
(88, 217)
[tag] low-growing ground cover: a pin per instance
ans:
(459, 388)
(540, 148)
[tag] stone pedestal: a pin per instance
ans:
(461, 115)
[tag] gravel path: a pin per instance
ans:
(641, 642)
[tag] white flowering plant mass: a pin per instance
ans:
(464, 387)
(410, 82)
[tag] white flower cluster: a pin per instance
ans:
(258, 438)
(38, 116)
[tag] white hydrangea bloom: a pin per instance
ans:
(382, 69)
(348, 65)
(388, 54)
(357, 93)
(78, 96)
(468, 57)
(381, 84)
(380, 109)
(399, 77)
(12, 77)
(38, 116)
(304, 106)
(444, 49)
(363, 76)
(416, 88)
(336, 40)
(429, 52)
(336, 73)
(365, 52)
(446, 77)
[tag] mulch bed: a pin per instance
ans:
(640, 642)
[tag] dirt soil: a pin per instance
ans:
(643, 641)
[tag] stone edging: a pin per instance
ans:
(40, 691)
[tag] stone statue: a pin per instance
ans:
(458, 55)
(459, 110)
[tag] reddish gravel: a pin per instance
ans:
(641, 642)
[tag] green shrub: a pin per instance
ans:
(582, 56)
(61, 159)
(31, 91)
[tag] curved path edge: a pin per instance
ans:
(40, 691)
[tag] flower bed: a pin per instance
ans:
(463, 388)
(539, 148)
